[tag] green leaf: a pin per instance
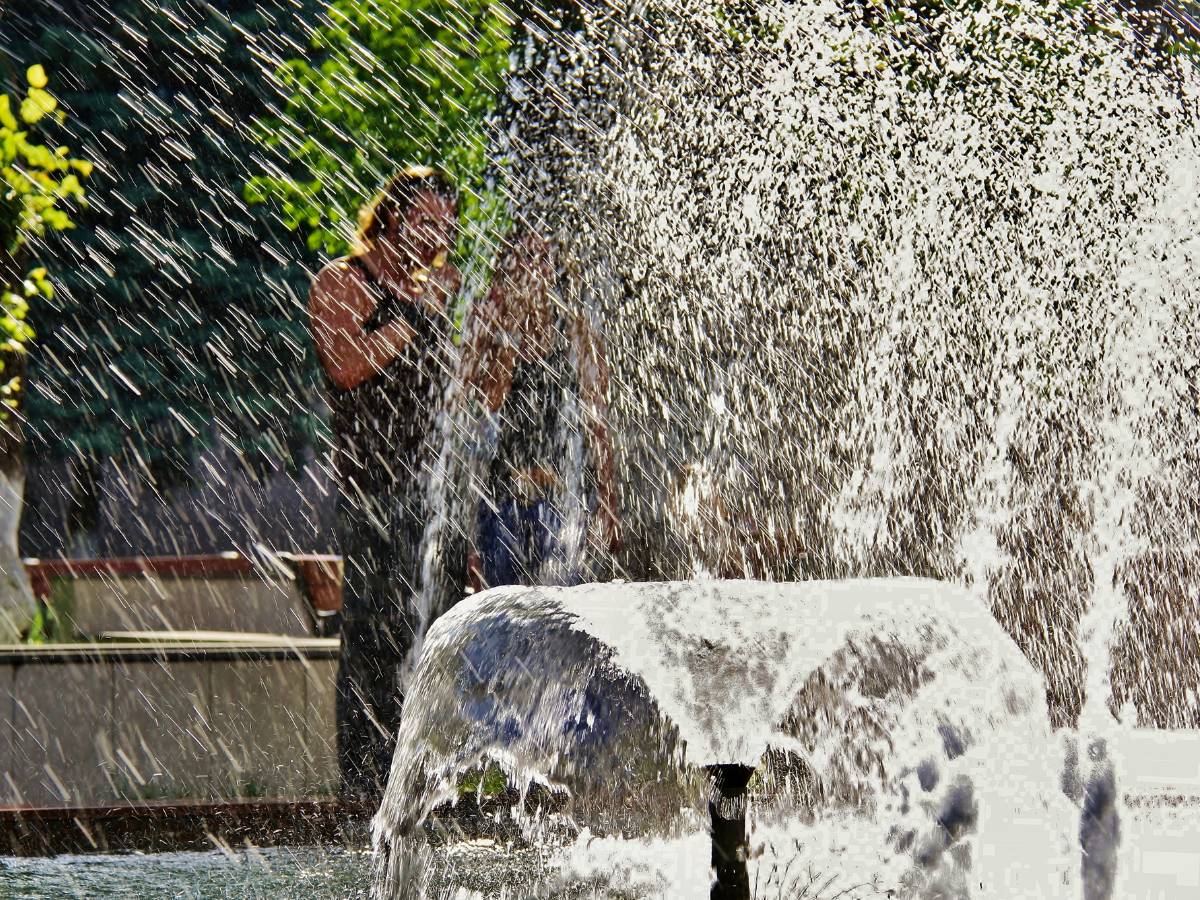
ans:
(384, 86)
(31, 113)
(6, 116)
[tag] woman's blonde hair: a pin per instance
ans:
(396, 199)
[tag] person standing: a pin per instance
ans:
(379, 321)
(526, 357)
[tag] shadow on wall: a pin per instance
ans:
(117, 510)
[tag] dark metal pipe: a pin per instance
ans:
(727, 809)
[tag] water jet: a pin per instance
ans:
(866, 315)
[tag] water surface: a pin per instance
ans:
(312, 873)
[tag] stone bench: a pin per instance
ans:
(289, 594)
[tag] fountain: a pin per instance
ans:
(892, 719)
(886, 292)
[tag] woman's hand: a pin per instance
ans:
(474, 572)
(441, 284)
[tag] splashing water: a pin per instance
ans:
(906, 295)
(881, 708)
(882, 294)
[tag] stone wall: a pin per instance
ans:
(89, 725)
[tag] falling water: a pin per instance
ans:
(882, 295)
(894, 295)
(878, 709)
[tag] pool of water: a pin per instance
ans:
(311, 873)
(1157, 861)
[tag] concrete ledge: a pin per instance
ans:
(281, 593)
(1154, 762)
(160, 827)
(179, 649)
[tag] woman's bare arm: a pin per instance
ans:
(593, 390)
(338, 305)
(488, 355)
(520, 283)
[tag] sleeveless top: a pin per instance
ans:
(532, 419)
(381, 425)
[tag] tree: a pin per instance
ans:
(388, 82)
(178, 323)
(41, 189)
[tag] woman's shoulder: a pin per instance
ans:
(337, 278)
(339, 270)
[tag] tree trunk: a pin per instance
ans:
(17, 603)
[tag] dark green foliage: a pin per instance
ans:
(179, 315)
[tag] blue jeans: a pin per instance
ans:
(517, 539)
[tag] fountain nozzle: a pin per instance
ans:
(727, 809)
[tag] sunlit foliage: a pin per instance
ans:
(388, 83)
(40, 185)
